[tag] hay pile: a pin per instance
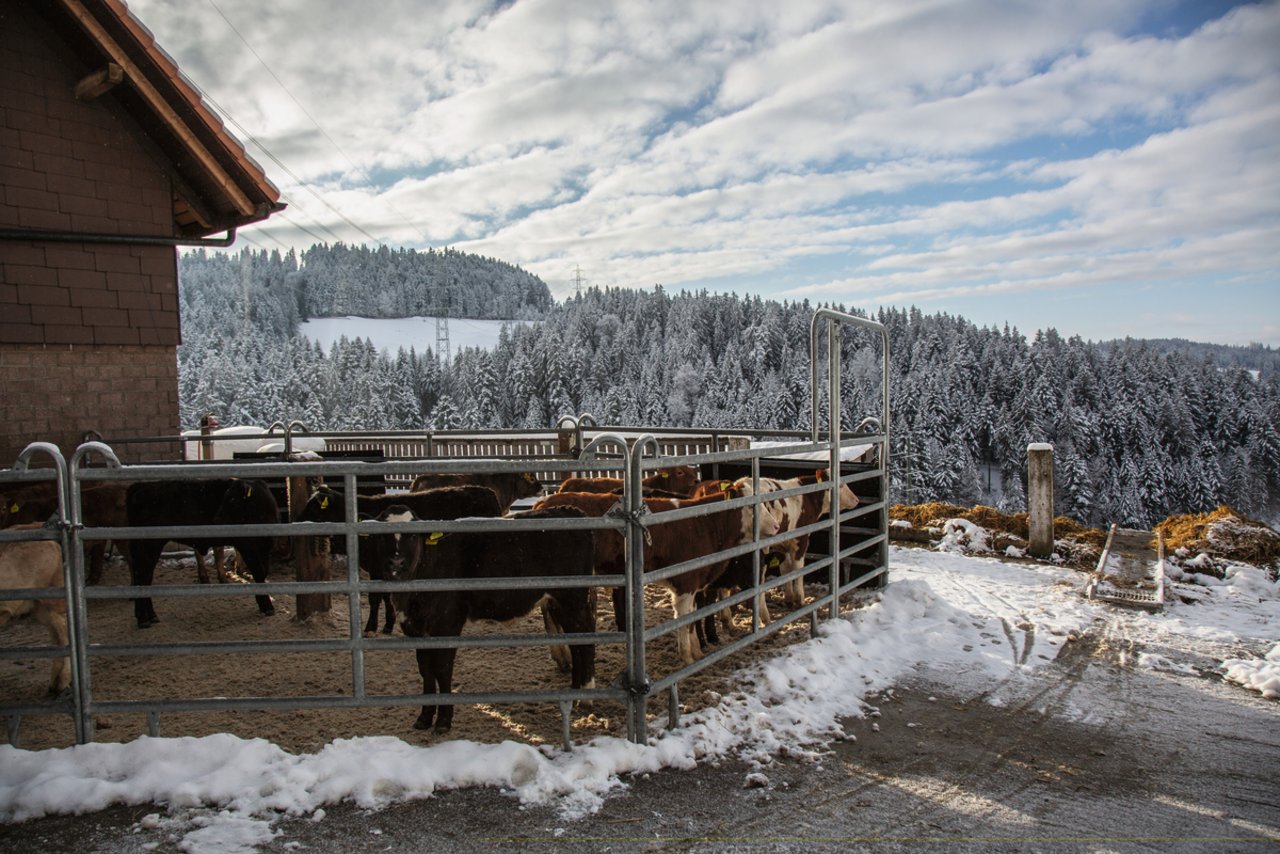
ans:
(1223, 535)
(1077, 545)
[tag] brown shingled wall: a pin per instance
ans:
(56, 394)
(88, 331)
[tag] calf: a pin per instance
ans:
(678, 480)
(31, 564)
(227, 501)
(796, 511)
(672, 543)
(508, 486)
(489, 554)
(451, 502)
(102, 506)
(738, 575)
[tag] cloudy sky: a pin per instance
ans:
(1104, 167)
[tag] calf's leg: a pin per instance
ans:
(257, 559)
(97, 551)
(376, 601)
(560, 653)
(53, 614)
(686, 640)
(389, 625)
(371, 624)
(573, 610)
(436, 668)
(143, 555)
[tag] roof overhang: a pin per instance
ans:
(217, 185)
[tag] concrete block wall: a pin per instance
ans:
(57, 393)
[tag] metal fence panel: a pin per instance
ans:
(578, 447)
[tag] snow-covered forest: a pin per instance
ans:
(1140, 429)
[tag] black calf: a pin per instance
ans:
(489, 554)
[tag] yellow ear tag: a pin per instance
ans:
(775, 561)
(432, 539)
(724, 485)
(15, 508)
(528, 477)
(324, 503)
(663, 473)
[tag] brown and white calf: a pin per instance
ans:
(680, 480)
(672, 543)
(796, 511)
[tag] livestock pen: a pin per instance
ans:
(359, 674)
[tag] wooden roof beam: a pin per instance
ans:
(157, 102)
(99, 82)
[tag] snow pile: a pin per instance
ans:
(1261, 675)
(962, 536)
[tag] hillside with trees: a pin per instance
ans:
(1140, 431)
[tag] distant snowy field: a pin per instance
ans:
(416, 333)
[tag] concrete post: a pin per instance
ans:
(1040, 498)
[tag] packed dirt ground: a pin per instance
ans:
(310, 674)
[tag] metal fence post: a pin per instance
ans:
(72, 580)
(637, 678)
(80, 630)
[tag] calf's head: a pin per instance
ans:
(527, 486)
(324, 505)
(400, 552)
(247, 502)
(679, 479)
(848, 500)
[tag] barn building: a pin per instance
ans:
(109, 161)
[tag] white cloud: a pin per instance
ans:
(994, 145)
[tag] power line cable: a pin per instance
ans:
(294, 207)
(317, 238)
(303, 184)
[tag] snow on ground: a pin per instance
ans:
(390, 334)
(989, 623)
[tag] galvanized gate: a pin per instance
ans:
(856, 552)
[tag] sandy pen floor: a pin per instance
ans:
(387, 672)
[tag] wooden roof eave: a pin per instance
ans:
(222, 187)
